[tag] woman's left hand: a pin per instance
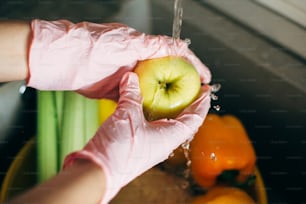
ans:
(92, 58)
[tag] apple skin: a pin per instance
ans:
(168, 85)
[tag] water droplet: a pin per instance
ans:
(186, 173)
(213, 156)
(171, 155)
(214, 97)
(188, 163)
(22, 89)
(184, 185)
(215, 88)
(217, 107)
(186, 145)
(187, 41)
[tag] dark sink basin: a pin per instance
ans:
(262, 84)
(17, 121)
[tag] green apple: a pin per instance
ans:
(168, 85)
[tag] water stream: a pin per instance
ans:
(176, 32)
(178, 19)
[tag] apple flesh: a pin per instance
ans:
(168, 85)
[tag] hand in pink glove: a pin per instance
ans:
(127, 145)
(92, 58)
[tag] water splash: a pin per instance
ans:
(171, 155)
(186, 146)
(187, 41)
(215, 88)
(217, 107)
(214, 97)
(213, 156)
(22, 89)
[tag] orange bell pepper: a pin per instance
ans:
(221, 145)
(224, 195)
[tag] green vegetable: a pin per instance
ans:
(73, 124)
(59, 103)
(47, 132)
(91, 118)
(66, 121)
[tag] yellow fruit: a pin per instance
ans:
(106, 108)
(224, 195)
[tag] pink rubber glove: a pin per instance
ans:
(92, 58)
(127, 145)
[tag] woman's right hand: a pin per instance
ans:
(126, 145)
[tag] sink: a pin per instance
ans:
(17, 120)
(262, 84)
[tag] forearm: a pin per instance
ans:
(14, 45)
(83, 182)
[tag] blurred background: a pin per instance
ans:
(256, 49)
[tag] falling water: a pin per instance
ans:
(187, 172)
(176, 32)
(178, 18)
(186, 145)
(215, 88)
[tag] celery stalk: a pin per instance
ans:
(91, 118)
(73, 124)
(46, 135)
(59, 102)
